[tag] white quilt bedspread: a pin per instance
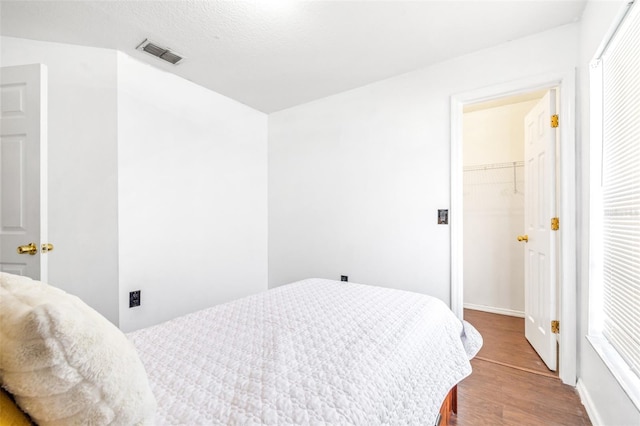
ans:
(312, 352)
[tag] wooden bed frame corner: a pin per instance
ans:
(450, 405)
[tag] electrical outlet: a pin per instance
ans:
(344, 278)
(443, 217)
(134, 298)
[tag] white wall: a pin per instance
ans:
(155, 184)
(606, 401)
(493, 201)
(495, 134)
(192, 195)
(356, 179)
(82, 164)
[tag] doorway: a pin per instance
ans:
(566, 180)
(495, 196)
(493, 203)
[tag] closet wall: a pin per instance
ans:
(494, 207)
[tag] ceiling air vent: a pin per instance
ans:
(160, 52)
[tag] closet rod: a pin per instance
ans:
(494, 166)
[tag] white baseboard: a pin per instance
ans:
(493, 310)
(588, 403)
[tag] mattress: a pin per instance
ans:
(312, 352)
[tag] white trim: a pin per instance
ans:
(44, 168)
(491, 309)
(589, 406)
(618, 367)
(568, 311)
(617, 21)
(567, 208)
(595, 199)
(456, 213)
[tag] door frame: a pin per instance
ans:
(567, 303)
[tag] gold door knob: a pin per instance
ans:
(524, 238)
(46, 248)
(30, 248)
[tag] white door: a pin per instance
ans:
(23, 160)
(540, 208)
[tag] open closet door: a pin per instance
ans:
(539, 240)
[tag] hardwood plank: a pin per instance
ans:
(504, 340)
(517, 367)
(498, 394)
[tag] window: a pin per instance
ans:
(615, 212)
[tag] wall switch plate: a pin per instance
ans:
(443, 216)
(134, 298)
(344, 278)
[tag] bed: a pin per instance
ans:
(312, 352)
(315, 351)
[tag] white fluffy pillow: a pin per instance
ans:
(65, 363)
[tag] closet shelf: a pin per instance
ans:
(493, 166)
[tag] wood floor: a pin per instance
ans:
(510, 385)
(504, 341)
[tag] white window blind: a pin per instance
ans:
(621, 189)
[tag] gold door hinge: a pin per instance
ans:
(555, 223)
(555, 327)
(554, 120)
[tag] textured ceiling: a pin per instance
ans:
(274, 54)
